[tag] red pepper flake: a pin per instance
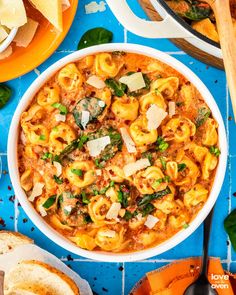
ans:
(234, 194)
(121, 268)
(230, 118)
(2, 222)
(69, 258)
(9, 188)
(25, 220)
(12, 199)
(32, 228)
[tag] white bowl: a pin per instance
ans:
(8, 40)
(53, 234)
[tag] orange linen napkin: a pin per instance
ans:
(174, 278)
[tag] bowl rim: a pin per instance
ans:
(8, 40)
(53, 234)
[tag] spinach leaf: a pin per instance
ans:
(57, 179)
(181, 167)
(77, 143)
(123, 195)
(46, 156)
(230, 227)
(149, 156)
(148, 198)
(93, 105)
(197, 12)
(94, 37)
(147, 209)
(50, 201)
(5, 94)
(214, 151)
(87, 218)
(77, 172)
(163, 163)
(117, 88)
(203, 114)
(128, 215)
(85, 199)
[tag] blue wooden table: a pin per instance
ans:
(118, 278)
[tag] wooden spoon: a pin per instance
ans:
(227, 37)
(1, 282)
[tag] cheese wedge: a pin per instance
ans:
(26, 33)
(12, 13)
(52, 10)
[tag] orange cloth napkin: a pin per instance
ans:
(174, 278)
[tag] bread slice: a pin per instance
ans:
(29, 274)
(10, 240)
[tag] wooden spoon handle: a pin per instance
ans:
(227, 35)
(1, 282)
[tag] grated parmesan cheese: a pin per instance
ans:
(155, 116)
(151, 221)
(25, 34)
(171, 108)
(58, 166)
(94, 7)
(108, 233)
(96, 82)
(96, 146)
(130, 145)
(134, 81)
(42, 211)
(113, 211)
(37, 191)
(132, 168)
(6, 53)
(60, 118)
(85, 118)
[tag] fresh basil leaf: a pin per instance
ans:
(50, 201)
(230, 227)
(94, 37)
(5, 94)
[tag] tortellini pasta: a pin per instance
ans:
(106, 162)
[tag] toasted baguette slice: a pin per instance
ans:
(32, 273)
(11, 240)
(24, 289)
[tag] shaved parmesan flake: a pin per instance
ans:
(26, 33)
(155, 116)
(94, 7)
(65, 4)
(171, 108)
(3, 34)
(101, 103)
(12, 13)
(60, 118)
(37, 191)
(98, 172)
(96, 146)
(85, 118)
(42, 211)
(108, 233)
(132, 168)
(68, 208)
(130, 145)
(151, 221)
(134, 81)
(58, 166)
(96, 82)
(113, 211)
(6, 53)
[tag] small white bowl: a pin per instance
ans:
(8, 40)
(53, 234)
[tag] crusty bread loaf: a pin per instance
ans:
(10, 240)
(29, 274)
